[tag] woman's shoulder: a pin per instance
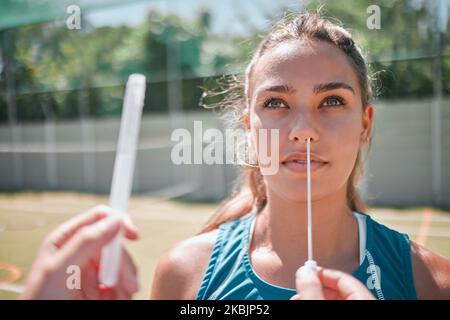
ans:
(180, 269)
(386, 238)
(431, 273)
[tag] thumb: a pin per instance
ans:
(308, 284)
(348, 287)
(88, 241)
(130, 230)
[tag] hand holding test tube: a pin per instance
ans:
(122, 180)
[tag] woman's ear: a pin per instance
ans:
(367, 122)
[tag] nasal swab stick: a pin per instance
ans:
(122, 180)
(310, 262)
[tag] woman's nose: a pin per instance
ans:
(302, 128)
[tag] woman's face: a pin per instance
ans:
(309, 89)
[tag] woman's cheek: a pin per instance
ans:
(269, 139)
(346, 147)
(268, 145)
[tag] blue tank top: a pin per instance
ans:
(385, 264)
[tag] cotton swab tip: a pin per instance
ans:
(311, 264)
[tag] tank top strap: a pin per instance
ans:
(387, 265)
(226, 256)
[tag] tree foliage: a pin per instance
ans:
(53, 72)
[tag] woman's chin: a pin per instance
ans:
(297, 192)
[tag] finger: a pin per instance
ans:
(122, 295)
(65, 231)
(90, 282)
(127, 278)
(308, 284)
(131, 231)
(295, 297)
(348, 287)
(107, 293)
(89, 240)
(330, 294)
(128, 275)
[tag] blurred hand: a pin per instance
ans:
(328, 284)
(78, 242)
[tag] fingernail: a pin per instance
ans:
(304, 272)
(130, 223)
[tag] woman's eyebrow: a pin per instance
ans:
(282, 88)
(286, 88)
(331, 86)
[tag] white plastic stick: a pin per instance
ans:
(310, 262)
(122, 180)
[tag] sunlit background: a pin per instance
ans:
(61, 94)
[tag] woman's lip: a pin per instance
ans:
(302, 167)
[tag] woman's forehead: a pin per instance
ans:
(303, 64)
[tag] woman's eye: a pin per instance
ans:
(333, 102)
(275, 104)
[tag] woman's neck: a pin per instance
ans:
(281, 228)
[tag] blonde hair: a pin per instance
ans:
(249, 191)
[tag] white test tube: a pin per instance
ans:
(122, 180)
(310, 263)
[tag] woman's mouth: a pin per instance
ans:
(300, 166)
